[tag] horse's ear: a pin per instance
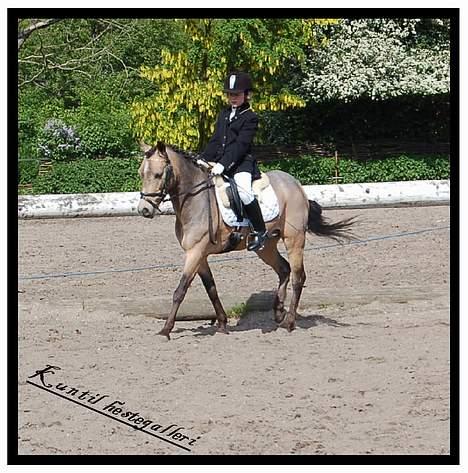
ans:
(161, 147)
(144, 147)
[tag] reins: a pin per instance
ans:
(167, 197)
(213, 239)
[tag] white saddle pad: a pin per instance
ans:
(268, 205)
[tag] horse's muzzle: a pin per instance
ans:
(145, 209)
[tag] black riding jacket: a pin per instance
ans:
(231, 143)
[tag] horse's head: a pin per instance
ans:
(156, 177)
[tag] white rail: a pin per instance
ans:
(382, 194)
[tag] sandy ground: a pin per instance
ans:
(366, 371)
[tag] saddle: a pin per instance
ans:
(229, 195)
(232, 210)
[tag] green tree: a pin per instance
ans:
(188, 82)
(29, 26)
(84, 73)
(70, 55)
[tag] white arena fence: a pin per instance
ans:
(334, 196)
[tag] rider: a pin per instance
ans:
(230, 147)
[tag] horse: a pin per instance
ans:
(168, 172)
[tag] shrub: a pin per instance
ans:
(315, 170)
(103, 124)
(27, 171)
(58, 141)
(423, 119)
(85, 176)
(99, 128)
(121, 175)
(35, 108)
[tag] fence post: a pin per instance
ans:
(337, 176)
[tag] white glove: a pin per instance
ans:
(203, 164)
(217, 169)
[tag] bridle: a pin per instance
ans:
(163, 192)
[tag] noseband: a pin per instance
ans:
(163, 190)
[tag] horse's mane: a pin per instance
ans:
(189, 155)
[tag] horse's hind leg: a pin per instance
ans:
(208, 281)
(270, 255)
(295, 247)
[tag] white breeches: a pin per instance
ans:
(244, 186)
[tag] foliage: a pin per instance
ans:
(84, 72)
(405, 118)
(379, 59)
(72, 54)
(59, 142)
(87, 73)
(99, 128)
(306, 169)
(121, 175)
(237, 311)
(403, 168)
(315, 170)
(27, 171)
(104, 126)
(35, 108)
(85, 176)
(188, 84)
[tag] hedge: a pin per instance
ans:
(318, 170)
(121, 175)
(89, 175)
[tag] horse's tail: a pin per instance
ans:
(317, 224)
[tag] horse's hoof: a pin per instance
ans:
(289, 325)
(164, 333)
(222, 330)
(279, 317)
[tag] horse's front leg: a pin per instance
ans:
(192, 262)
(208, 281)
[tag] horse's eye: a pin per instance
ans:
(158, 175)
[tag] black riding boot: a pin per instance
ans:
(256, 218)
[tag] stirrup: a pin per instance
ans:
(258, 241)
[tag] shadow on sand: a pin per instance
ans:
(259, 315)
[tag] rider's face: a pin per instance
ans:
(236, 99)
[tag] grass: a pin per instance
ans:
(237, 311)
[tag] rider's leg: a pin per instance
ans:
(252, 207)
(244, 187)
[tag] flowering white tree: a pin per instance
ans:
(380, 59)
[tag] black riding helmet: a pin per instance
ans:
(238, 82)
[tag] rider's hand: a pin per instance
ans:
(217, 169)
